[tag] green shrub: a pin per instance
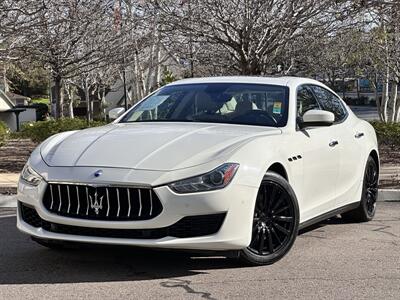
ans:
(4, 132)
(41, 130)
(387, 133)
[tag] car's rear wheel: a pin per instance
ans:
(366, 210)
(275, 222)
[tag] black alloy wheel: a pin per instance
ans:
(371, 187)
(275, 222)
(366, 210)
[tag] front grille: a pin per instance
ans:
(193, 226)
(102, 203)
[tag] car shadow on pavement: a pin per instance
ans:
(22, 261)
(330, 221)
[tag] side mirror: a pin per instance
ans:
(115, 113)
(316, 118)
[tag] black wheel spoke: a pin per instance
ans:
(279, 202)
(276, 235)
(262, 239)
(281, 229)
(283, 219)
(281, 210)
(255, 239)
(271, 198)
(270, 245)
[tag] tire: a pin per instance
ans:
(366, 210)
(275, 222)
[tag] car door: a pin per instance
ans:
(350, 146)
(321, 158)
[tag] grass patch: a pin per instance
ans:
(41, 100)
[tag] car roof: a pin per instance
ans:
(284, 80)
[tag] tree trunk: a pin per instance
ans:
(71, 105)
(103, 103)
(138, 77)
(394, 101)
(5, 81)
(157, 71)
(397, 109)
(377, 100)
(344, 87)
(385, 97)
(71, 98)
(87, 98)
(57, 99)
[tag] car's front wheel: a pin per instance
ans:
(275, 222)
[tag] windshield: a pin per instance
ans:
(232, 103)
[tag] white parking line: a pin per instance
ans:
(7, 216)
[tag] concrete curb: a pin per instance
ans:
(389, 195)
(384, 195)
(8, 200)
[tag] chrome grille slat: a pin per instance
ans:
(59, 197)
(52, 197)
(108, 202)
(87, 201)
(77, 200)
(124, 203)
(69, 199)
(151, 201)
(129, 201)
(119, 204)
(140, 202)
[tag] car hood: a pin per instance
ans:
(148, 146)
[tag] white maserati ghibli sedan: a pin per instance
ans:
(232, 164)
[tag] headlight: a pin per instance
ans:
(29, 176)
(214, 180)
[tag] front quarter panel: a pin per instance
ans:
(257, 156)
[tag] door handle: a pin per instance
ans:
(359, 135)
(333, 143)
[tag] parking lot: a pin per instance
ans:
(332, 260)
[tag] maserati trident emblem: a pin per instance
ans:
(96, 203)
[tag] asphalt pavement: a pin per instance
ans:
(369, 113)
(332, 260)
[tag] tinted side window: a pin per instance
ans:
(305, 100)
(330, 103)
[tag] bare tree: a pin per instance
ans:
(15, 16)
(384, 51)
(252, 33)
(70, 36)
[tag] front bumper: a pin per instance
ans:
(235, 202)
